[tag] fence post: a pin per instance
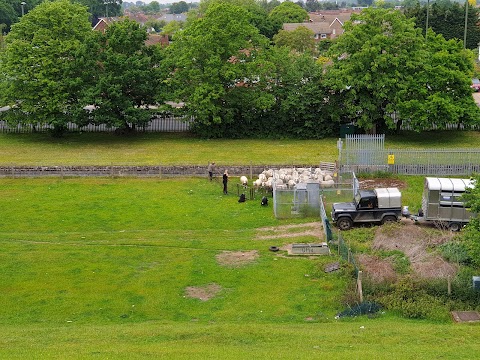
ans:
(160, 171)
(111, 170)
(359, 286)
(449, 285)
(251, 171)
(61, 171)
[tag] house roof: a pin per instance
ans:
(172, 17)
(317, 28)
(330, 16)
(153, 39)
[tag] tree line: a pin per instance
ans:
(236, 72)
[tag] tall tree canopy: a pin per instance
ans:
(102, 8)
(287, 12)
(217, 66)
(301, 39)
(43, 64)
(382, 66)
(126, 76)
(447, 17)
(471, 239)
(8, 16)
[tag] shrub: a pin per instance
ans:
(455, 252)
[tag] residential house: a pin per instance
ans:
(152, 39)
(327, 24)
(320, 30)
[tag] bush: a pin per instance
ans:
(455, 252)
(409, 299)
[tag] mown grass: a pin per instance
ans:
(158, 149)
(106, 250)
(169, 149)
(386, 338)
(97, 268)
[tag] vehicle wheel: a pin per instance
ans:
(345, 223)
(274, 248)
(389, 219)
(454, 226)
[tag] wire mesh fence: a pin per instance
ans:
(305, 199)
(156, 124)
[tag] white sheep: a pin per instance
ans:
(244, 180)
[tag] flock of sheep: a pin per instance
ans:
(288, 178)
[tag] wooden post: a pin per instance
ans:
(251, 171)
(359, 286)
(61, 171)
(111, 170)
(348, 255)
(449, 285)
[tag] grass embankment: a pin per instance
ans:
(158, 149)
(98, 268)
(181, 149)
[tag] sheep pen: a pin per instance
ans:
(298, 191)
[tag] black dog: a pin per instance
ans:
(242, 198)
(264, 201)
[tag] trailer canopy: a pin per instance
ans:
(447, 184)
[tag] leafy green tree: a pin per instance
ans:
(8, 16)
(44, 65)
(312, 5)
(301, 39)
(382, 66)
(258, 16)
(179, 7)
(441, 92)
(172, 28)
(102, 8)
(126, 76)
(448, 18)
(287, 12)
(218, 69)
(471, 235)
(269, 5)
(299, 110)
(157, 25)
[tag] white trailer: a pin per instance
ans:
(442, 202)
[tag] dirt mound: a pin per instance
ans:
(376, 269)
(414, 241)
(236, 258)
(203, 293)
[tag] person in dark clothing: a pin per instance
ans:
(211, 169)
(225, 181)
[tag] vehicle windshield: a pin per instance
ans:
(357, 198)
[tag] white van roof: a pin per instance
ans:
(448, 184)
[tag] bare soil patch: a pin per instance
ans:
(377, 269)
(416, 243)
(236, 258)
(381, 183)
(314, 229)
(203, 293)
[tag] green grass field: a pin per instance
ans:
(97, 268)
(168, 149)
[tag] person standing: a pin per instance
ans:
(225, 182)
(211, 169)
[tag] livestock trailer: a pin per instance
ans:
(442, 201)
